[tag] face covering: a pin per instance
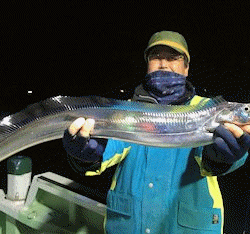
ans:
(165, 86)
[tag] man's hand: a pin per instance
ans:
(231, 142)
(237, 131)
(77, 143)
(82, 127)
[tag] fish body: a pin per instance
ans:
(141, 123)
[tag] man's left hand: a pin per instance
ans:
(237, 131)
(231, 142)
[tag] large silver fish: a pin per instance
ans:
(142, 123)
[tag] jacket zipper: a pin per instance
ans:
(147, 97)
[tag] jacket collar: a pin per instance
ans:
(142, 95)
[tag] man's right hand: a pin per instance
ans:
(82, 127)
(77, 141)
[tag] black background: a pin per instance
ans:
(80, 48)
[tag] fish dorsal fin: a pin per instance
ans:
(9, 124)
(204, 104)
(150, 108)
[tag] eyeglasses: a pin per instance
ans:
(166, 56)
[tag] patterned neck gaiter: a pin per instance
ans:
(165, 86)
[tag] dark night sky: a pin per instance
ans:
(80, 48)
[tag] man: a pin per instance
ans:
(163, 190)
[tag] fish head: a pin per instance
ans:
(242, 114)
(238, 114)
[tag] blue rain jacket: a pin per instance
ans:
(161, 190)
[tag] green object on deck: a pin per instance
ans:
(19, 165)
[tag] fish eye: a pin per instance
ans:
(246, 109)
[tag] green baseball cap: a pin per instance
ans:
(168, 38)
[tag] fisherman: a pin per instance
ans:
(163, 190)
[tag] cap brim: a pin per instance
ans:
(171, 44)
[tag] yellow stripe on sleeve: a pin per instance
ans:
(197, 99)
(117, 158)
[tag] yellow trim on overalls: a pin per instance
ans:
(212, 182)
(117, 158)
(215, 193)
(195, 101)
(214, 190)
(203, 172)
